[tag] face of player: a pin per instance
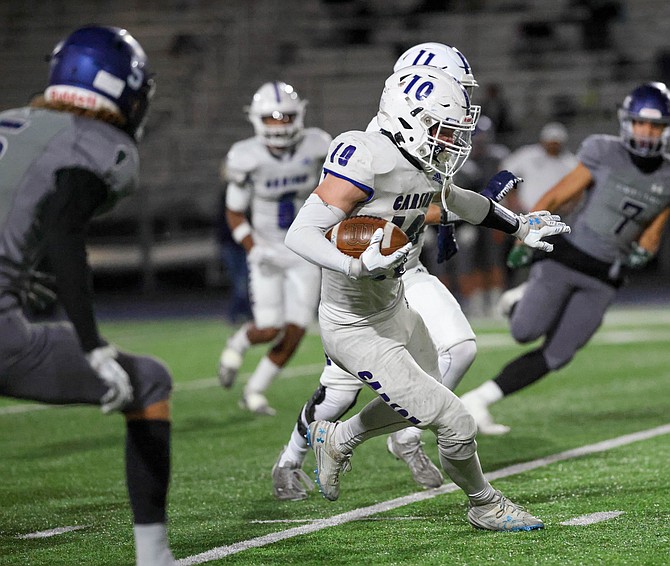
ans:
(278, 119)
(647, 134)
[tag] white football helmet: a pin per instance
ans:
(280, 103)
(446, 58)
(427, 112)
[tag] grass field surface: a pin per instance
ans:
(588, 453)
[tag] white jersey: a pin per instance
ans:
(273, 187)
(413, 257)
(399, 191)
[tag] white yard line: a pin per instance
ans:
(52, 532)
(592, 518)
(364, 512)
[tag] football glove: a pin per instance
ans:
(120, 393)
(519, 256)
(499, 185)
(377, 266)
(261, 255)
(638, 257)
(537, 225)
(447, 246)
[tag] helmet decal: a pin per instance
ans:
(102, 67)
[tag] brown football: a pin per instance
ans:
(352, 235)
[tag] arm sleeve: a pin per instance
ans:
(306, 235)
(468, 205)
(65, 216)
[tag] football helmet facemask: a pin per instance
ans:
(427, 113)
(99, 67)
(649, 102)
(280, 104)
(448, 59)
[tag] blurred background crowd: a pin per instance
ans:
(550, 73)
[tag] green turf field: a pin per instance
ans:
(63, 467)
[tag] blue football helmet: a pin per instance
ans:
(99, 67)
(649, 102)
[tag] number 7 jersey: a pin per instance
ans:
(622, 202)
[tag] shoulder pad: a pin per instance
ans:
(376, 149)
(316, 141)
(242, 158)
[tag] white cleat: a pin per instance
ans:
(424, 472)
(509, 299)
(290, 482)
(229, 364)
(502, 515)
(330, 462)
(256, 403)
(479, 411)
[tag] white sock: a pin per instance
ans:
(487, 393)
(239, 341)
(263, 376)
(409, 435)
(296, 449)
(151, 545)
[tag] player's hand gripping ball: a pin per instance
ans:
(352, 235)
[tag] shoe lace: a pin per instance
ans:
(299, 480)
(508, 507)
(344, 465)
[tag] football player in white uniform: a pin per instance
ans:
(269, 177)
(367, 326)
(447, 325)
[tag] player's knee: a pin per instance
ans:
(523, 333)
(456, 426)
(555, 362)
(153, 381)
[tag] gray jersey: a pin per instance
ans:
(34, 145)
(621, 203)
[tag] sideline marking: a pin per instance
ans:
(592, 518)
(223, 551)
(52, 532)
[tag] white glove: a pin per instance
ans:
(375, 265)
(261, 255)
(537, 225)
(103, 361)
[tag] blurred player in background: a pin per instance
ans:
(67, 157)
(448, 327)
(626, 183)
(542, 165)
(269, 177)
(367, 327)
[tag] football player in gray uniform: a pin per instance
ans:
(68, 156)
(625, 183)
(269, 177)
(367, 327)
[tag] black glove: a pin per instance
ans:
(447, 247)
(499, 185)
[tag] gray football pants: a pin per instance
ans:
(565, 306)
(44, 362)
